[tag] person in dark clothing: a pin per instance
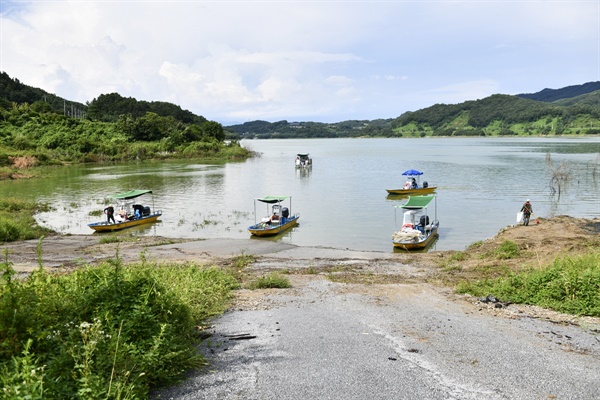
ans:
(527, 210)
(413, 185)
(110, 214)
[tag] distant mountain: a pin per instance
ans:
(569, 110)
(551, 95)
(284, 129)
(591, 99)
(500, 115)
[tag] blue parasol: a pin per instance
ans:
(412, 172)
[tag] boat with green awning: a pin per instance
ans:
(303, 160)
(278, 218)
(127, 213)
(418, 231)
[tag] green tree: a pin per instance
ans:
(214, 130)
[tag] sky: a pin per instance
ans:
(322, 61)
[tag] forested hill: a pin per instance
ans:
(105, 108)
(13, 91)
(502, 115)
(576, 112)
(39, 128)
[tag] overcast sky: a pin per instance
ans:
(325, 61)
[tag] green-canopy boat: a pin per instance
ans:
(278, 219)
(417, 230)
(130, 212)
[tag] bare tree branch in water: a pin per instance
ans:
(595, 168)
(561, 175)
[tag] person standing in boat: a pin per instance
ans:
(110, 214)
(527, 210)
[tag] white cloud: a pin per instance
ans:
(299, 60)
(458, 92)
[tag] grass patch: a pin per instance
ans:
(242, 261)
(475, 245)
(507, 250)
(96, 213)
(451, 267)
(458, 256)
(110, 332)
(570, 285)
(273, 280)
(17, 222)
(117, 239)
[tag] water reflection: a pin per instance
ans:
(303, 172)
(148, 229)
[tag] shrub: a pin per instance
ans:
(507, 250)
(111, 331)
(570, 285)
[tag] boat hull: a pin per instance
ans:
(104, 226)
(419, 243)
(263, 229)
(413, 192)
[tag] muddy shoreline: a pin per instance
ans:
(540, 243)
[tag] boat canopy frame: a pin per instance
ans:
(416, 203)
(130, 195)
(413, 173)
(272, 200)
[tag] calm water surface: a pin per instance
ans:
(342, 200)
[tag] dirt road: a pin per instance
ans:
(329, 340)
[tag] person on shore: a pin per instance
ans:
(527, 210)
(110, 214)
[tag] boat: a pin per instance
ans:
(276, 221)
(413, 185)
(130, 212)
(417, 231)
(303, 160)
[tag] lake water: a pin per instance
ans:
(342, 200)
